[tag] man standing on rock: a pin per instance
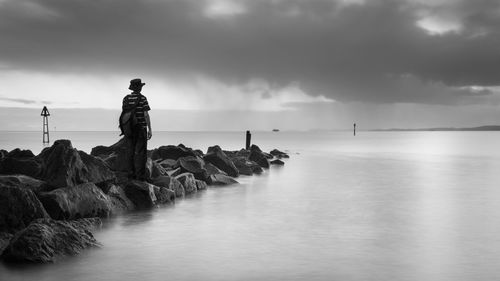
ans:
(141, 133)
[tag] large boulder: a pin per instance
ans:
(18, 208)
(3, 153)
(220, 180)
(154, 169)
(193, 165)
(279, 154)
(188, 182)
(142, 194)
(23, 181)
(119, 200)
(200, 185)
(171, 152)
(82, 201)
(169, 164)
(44, 240)
(217, 157)
(5, 238)
(11, 164)
(245, 166)
(258, 157)
(20, 153)
(164, 195)
(98, 171)
(170, 183)
(212, 170)
(277, 162)
(115, 155)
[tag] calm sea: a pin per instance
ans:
(378, 206)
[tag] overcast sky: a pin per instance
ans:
(256, 64)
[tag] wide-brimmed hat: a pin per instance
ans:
(135, 83)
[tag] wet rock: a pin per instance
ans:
(5, 238)
(169, 164)
(170, 183)
(200, 185)
(18, 208)
(98, 171)
(212, 170)
(277, 162)
(258, 157)
(115, 155)
(142, 194)
(22, 181)
(245, 166)
(220, 180)
(164, 195)
(157, 170)
(81, 201)
(188, 182)
(218, 158)
(18, 153)
(279, 154)
(193, 165)
(3, 153)
(20, 166)
(171, 152)
(174, 173)
(119, 200)
(44, 240)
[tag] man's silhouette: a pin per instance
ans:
(141, 133)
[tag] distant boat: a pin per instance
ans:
(276, 130)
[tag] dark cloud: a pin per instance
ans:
(24, 101)
(371, 52)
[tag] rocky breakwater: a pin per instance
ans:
(50, 202)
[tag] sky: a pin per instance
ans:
(258, 65)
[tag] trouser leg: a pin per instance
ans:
(141, 150)
(131, 143)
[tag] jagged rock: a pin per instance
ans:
(164, 195)
(279, 154)
(18, 208)
(245, 166)
(220, 180)
(18, 153)
(193, 165)
(20, 166)
(142, 194)
(98, 171)
(119, 200)
(169, 164)
(154, 169)
(115, 155)
(45, 239)
(5, 238)
(174, 173)
(170, 183)
(171, 152)
(188, 182)
(217, 157)
(200, 185)
(212, 170)
(277, 162)
(74, 202)
(22, 181)
(3, 153)
(258, 157)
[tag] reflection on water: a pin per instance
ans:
(370, 208)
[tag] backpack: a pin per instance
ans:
(128, 120)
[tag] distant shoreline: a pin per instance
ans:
(480, 128)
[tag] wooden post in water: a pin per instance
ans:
(354, 129)
(248, 140)
(45, 113)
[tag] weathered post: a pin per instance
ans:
(248, 140)
(45, 113)
(354, 129)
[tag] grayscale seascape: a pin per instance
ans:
(378, 206)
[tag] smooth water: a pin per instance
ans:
(378, 206)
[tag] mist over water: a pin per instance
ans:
(378, 206)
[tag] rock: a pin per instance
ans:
(200, 185)
(217, 157)
(277, 162)
(169, 164)
(5, 238)
(155, 169)
(18, 153)
(220, 180)
(115, 155)
(174, 173)
(142, 194)
(18, 208)
(82, 201)
(258, 157)
(44, 240)
(20, 166)
(3, 153)
(193, 165)
(171, 152)
(245, 166)
(98, 171)
(119, 200)
(22, 181)
(188, 182)
(279, 154)
(164, 195)
(170, 183)
(212, 170)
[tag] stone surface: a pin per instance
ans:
(81, 201)
(20, 166)
(119, 200)
(218, 158)
(212, 170)
(23, 181)
(18, 153)
(220, 180)
(142, 194)
(44, 240)
(193, 165)
(279, 154)
(115, 155)
(18, 208)
(200, 185)
(98, 171)
(245, 166)
(169, 164)
(5, 238)
(164, 195)
(171, 152)
(3, 153)
(170, 183)
(188, 182)
(277, 162)
(258, 157)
